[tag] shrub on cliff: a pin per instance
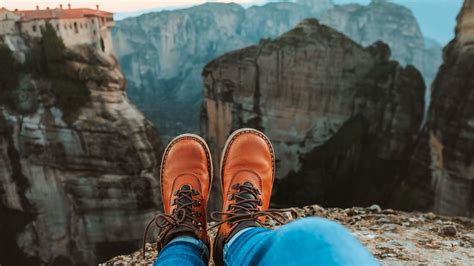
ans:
(9, 76)
(46, 55)
(71, 96)
(47, 59)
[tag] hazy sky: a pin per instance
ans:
(110, 5)
(436, 17)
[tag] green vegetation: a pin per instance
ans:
(47, 59)
(9, 77)
(71, 96)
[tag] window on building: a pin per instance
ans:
(65, 26)
(80, 25)
(70, 26)
(102, 44)
(57, 27)
(95, 32)
(75, 28)
(34, 28)
(92, 21)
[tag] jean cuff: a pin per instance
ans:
(192, 240)
(228, 244)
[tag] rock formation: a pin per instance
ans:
(79, 192)
(380, 20)
(441, 173)
(162, 54)
(395, 238)
(342, 118)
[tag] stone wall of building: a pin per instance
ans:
(8, 21)
(74, 31)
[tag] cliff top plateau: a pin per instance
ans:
(393, 237)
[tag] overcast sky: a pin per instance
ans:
(436, 17)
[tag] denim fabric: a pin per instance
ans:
(309, 241)
(184, 250)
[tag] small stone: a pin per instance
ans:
(388, 227)
(375, 208)
(448, 230)
(430, 216)
(389, 211)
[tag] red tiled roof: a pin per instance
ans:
(73, 13)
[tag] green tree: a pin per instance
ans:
(9, 75)
(53, 49)
(71, 95)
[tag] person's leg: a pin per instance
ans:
(183, 250)
(309, 241)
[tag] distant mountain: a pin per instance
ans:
(162, 54)
(124, 15)
(436, 17)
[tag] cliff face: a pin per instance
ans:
(74, 193)
(441, 173)
(341, 117)
(163, 53)
(394, 238)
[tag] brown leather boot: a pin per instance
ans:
(247, 174)
(186, 177)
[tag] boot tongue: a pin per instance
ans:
(247, 196)
(185, 188)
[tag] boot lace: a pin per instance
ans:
(183, 215)
(246, 208)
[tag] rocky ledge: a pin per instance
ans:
(393, 237)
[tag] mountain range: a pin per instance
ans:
(162, 54)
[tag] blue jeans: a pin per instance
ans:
(309, 241)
